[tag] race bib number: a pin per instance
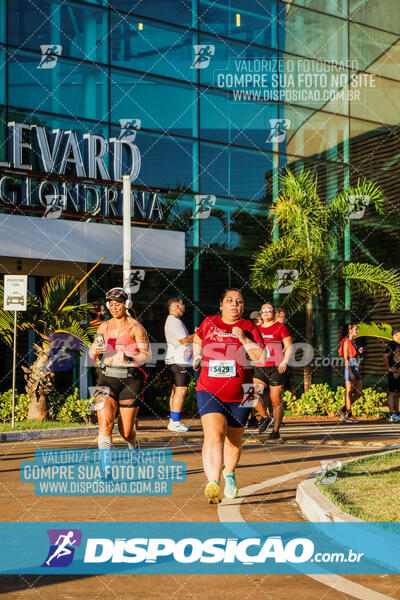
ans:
(221, 368)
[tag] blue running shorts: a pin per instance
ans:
(235, 414)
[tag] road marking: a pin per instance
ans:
(229, 512)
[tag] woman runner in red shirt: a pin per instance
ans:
(223, 345)
(278, 350)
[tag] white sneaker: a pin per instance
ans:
(394, 418)
(177, 426)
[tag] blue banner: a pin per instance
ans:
(208, 548)
(93, 472)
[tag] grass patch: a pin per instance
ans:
(28, 425)
(368, 488)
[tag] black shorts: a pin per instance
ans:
(180, 374)
(394, 383)
(131, 388)
(269, 375)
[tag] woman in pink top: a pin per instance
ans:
(121, 348)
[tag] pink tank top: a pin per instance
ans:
(123, 342)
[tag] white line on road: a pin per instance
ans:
(229, 512)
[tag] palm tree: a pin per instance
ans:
(309, 232)
(47, 315)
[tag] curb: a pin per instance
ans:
(45, 434)
(318, 508)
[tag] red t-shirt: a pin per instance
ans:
(273, 336)
(225, 366)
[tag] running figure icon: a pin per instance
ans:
(62, 550)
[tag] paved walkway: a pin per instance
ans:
(261, 462)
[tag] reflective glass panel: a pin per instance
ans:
(245, 123)
(378, 100)
(82, 31)
(229, 171)
(150, 47)
(384, 14)
(375, 51)
(249, 21)
(159, 105)
(315, 133)
(312, 34)
(75, 90)
(181, 12)
(333, 7)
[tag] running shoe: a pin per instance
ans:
(231, 487)
(252, 423)
(341, 415)
(264, 423)
(177, 426)
(213, 492)
(394, 418)
(275, 435)
(350, 418)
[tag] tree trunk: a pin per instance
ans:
(39, 384)
(309, 340)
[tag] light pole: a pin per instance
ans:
(126, 232)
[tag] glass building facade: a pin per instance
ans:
(226, 94)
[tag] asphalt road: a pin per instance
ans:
(306, 445)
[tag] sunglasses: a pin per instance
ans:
(117, 294)
(268, 310)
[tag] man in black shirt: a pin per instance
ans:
(392, 364)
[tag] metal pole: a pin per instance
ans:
(127, 231)
(14, 370)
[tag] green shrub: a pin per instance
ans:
(75, 408)
(21, 407)
(321, 400)
(54, 405)
(370, 404)
(289, 401)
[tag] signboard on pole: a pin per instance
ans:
(15, 297)
(15, 292)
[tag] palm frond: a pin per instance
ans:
(55, 290)
(378, 330)
(84, 333)
(78, 312)
(7, 325)
(353, 199)
(372, 279)
(300, 214)
(271, 257)
(303, 288)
